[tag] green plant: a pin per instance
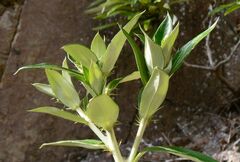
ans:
(97, 109)
(155, 9)
(227, 8)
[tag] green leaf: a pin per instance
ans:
(167, 44)
(114, 83)
(96, 78)
(87, 143)
(139, 58)
(105, 26)
(231, 9)
(80, 54)
(133, 76)
(103, 111)
(116, 45)
(44, 88)
(153, 54)
(153, 93)
(72, 72)
(63, 90)
(163, 30)
(98, 46)
(65, 74)
(178, 151)
(187, 48)
(59, 113)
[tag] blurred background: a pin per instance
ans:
(202, 111)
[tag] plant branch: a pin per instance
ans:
(93, 127)
(141, 129)
(113, 146)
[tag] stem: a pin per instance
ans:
(142, 126)
(114, 147)
(93, 127)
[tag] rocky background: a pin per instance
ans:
(202, 110)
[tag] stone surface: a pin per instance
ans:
(45, 26)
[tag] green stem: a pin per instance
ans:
(93, 127)
(142, 126)
(114, 147)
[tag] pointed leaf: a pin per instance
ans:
(59, 113)
(96, 78)
(153, 93)
(168, 43)
(63, 90)
(80, 54)
(139, 58)
(44, 88)
(153, 54)
(116, 45)
(114, 83)
(163, 30)
(187, 48)
(133, 76)
(72, 72)
(178, 151)
(98, 46)
(65, 74)
(103, 111)
(87, 143)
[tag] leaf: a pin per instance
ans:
(44, 88)
(96, 78)
(98, 46)
(133, 76)
(72, 72)
(87, 143)
(116, 45)
(63, 90)
(65, 74)
(103, 111)
(139, 58)
(153, 93)
(59, 113)
(168, 43)
(80, 54)
(153, 54)
(178, 151)
(231, 9)
(163, 30)
(187, 48)
(105, 26)
(114, 83)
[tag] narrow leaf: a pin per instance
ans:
(87, 143)
(63, 90)
(139, 58)
(178, 151)
(65, 74)
(168, 43)
(103, 111)
(187, 48)
(98, 46)
(116, 45)
(163, 30)
(44, 88)
(153, 93)
(80, 54)
(59, 113)
(153, 54)
(114, 83)
(72, 72)
(96, 78)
